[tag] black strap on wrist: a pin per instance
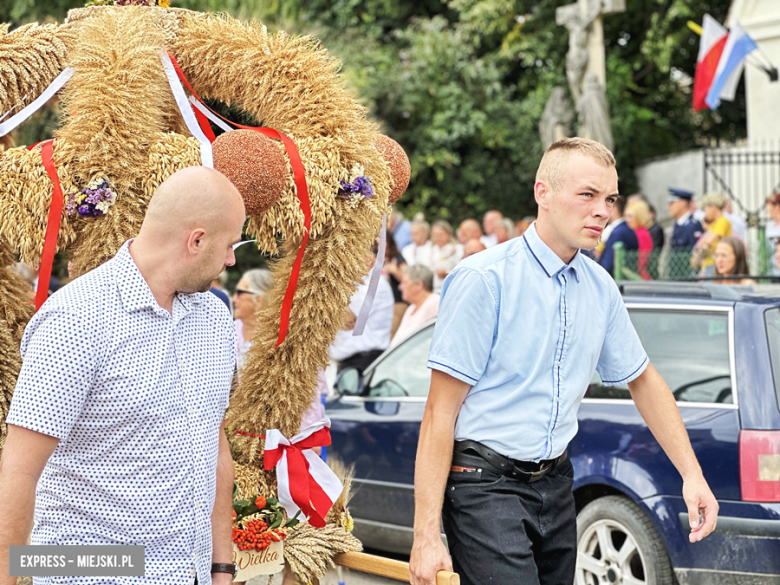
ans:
(229, 568)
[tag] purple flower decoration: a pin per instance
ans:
(91, 201)
(357, 190)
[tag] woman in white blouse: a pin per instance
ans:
(416, 287)
(445, 252)
(250, 297)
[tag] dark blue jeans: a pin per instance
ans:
(504, 531)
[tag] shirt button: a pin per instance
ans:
(199, 457)
(182, 365)
(192, 411)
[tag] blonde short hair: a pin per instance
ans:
(640, 210)
(552, 169)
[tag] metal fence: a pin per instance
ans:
(667, 265)
(747, 175)
(655, 265)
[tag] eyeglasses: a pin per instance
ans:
(241, 291)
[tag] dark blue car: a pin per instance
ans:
(717, 346)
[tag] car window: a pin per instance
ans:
(404, 372)
(772, 320)
(690, 351)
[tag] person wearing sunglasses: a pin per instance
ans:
(250, 297)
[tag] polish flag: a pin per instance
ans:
(713, 40)
(730, 65)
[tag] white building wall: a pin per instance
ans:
(761, 20)
(681, 171)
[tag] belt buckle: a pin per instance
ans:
(538, 474)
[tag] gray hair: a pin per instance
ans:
(443, 224)
(423, 224)
(509, 226)
(260, 280)
(420, 273)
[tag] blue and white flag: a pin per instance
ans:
(732, 61)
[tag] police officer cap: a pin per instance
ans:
(677, 194)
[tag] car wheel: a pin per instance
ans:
(617, 544)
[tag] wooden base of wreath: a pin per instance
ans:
(386, 568)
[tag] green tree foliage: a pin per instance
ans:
(462, 86)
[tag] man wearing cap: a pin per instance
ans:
(687, 229)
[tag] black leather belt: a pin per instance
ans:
(474, 454)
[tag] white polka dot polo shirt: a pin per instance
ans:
(136, 396)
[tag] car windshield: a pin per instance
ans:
(405, 371)
(689, 349)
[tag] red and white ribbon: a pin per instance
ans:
(206, 112)
(206, 155)
(305, 481)
(11, 123)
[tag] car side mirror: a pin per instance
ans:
(349, 382)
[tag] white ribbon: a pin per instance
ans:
(206, 156)
(11, 123)
(241, 243)
(206, 112)
(318, 469)
(376, 274)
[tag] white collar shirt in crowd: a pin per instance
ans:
(489, 241)
(610, 227)
(444, 258)
(738, 226)
(136, 396)
(414, 254)
(376, 335)
(683, 218)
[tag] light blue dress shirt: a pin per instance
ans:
(136, 396)
(527, 331)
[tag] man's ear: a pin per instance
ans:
(195, 240)
(542, 194)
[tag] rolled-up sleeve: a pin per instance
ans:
(465, 327)
(59, 361)
(622, 358)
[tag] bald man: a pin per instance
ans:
(470, 230)
(473, 247)
(117, 412)
(489, 223)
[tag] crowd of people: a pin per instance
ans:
(707, 240)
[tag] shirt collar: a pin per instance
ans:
(684, 218)
(547, 259)
(133, 289)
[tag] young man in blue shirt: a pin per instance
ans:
(521, 329)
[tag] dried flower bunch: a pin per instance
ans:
(94, 200)
(357, 188)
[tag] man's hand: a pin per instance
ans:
(222, 513)
(434, 458)
(427, 559)
(700, 501)
(658, 408)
